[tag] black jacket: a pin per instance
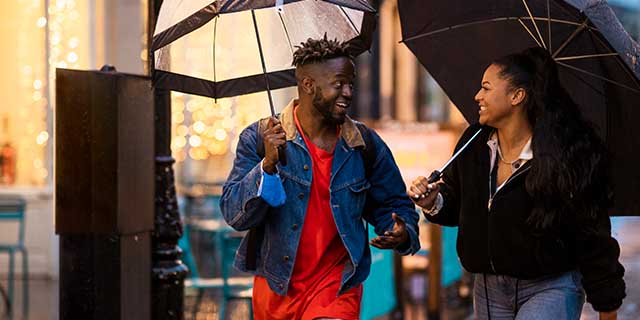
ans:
(499, 241)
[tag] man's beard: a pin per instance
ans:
(325, 108)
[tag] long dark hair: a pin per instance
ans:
(569, 177)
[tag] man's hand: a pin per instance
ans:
(422, 193)
(609, 315)
(394, 238)
(274, 137)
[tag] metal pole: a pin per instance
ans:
(168, 271)
(434, 273)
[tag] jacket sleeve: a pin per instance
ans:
(241, 206)
(602, 274)
(388, 194)
(449, 214)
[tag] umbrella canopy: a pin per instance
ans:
(251, 43)
(598, 62)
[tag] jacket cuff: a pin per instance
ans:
(412, 245)
(608, 296)
(271, 189)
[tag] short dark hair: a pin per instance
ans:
(319, 50)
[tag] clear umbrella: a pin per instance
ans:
(250, 43)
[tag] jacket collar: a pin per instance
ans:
(348, 130)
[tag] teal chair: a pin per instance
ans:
(231, 287)
(12, 210)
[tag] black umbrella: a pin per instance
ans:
(599, 63)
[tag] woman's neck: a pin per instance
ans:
(514, 134)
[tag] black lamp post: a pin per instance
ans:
(168, 271)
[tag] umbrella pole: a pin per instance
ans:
(281, 155)
(437, 174)
(264, 68)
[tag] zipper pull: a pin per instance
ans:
(489, 203)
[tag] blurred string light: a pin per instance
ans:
(198, 130)
(205, 131)
(29, 117)
(62, 25)
(67, 28)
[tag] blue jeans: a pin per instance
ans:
(557, 297)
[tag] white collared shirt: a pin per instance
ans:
(525, 155)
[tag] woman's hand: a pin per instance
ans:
(609, 315)
(423, 193)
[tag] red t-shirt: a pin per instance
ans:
(320, 260)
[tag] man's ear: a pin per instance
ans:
(308, 85)
(518, 96)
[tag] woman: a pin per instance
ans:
(530, 197)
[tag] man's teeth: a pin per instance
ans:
(483, 108)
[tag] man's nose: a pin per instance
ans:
(347, 90)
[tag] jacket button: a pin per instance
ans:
(285, 258)
(294, 226)
(306, 167)
(281, 286)
(301, 195)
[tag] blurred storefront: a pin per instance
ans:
(395, 95)
(40, 36)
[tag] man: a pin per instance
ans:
(311, 250)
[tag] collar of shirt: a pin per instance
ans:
(525, 155)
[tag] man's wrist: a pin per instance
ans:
(405, 243)
(269, 169)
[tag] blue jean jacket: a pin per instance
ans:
(281, 226)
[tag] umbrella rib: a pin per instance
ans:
(586, 56)
(597, 76)
(462, 25)
(622, 64)
(579, 29)
(530, 33)
(558, 21)
(215, 29)
(350, 21)
(582, 79)
(549, 25)
(286, 32)
(535, 25)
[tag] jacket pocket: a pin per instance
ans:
(357, 197)
(360, 186)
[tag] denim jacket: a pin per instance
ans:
(280, 227)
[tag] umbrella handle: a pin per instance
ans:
(434, 176)
(282, 156)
